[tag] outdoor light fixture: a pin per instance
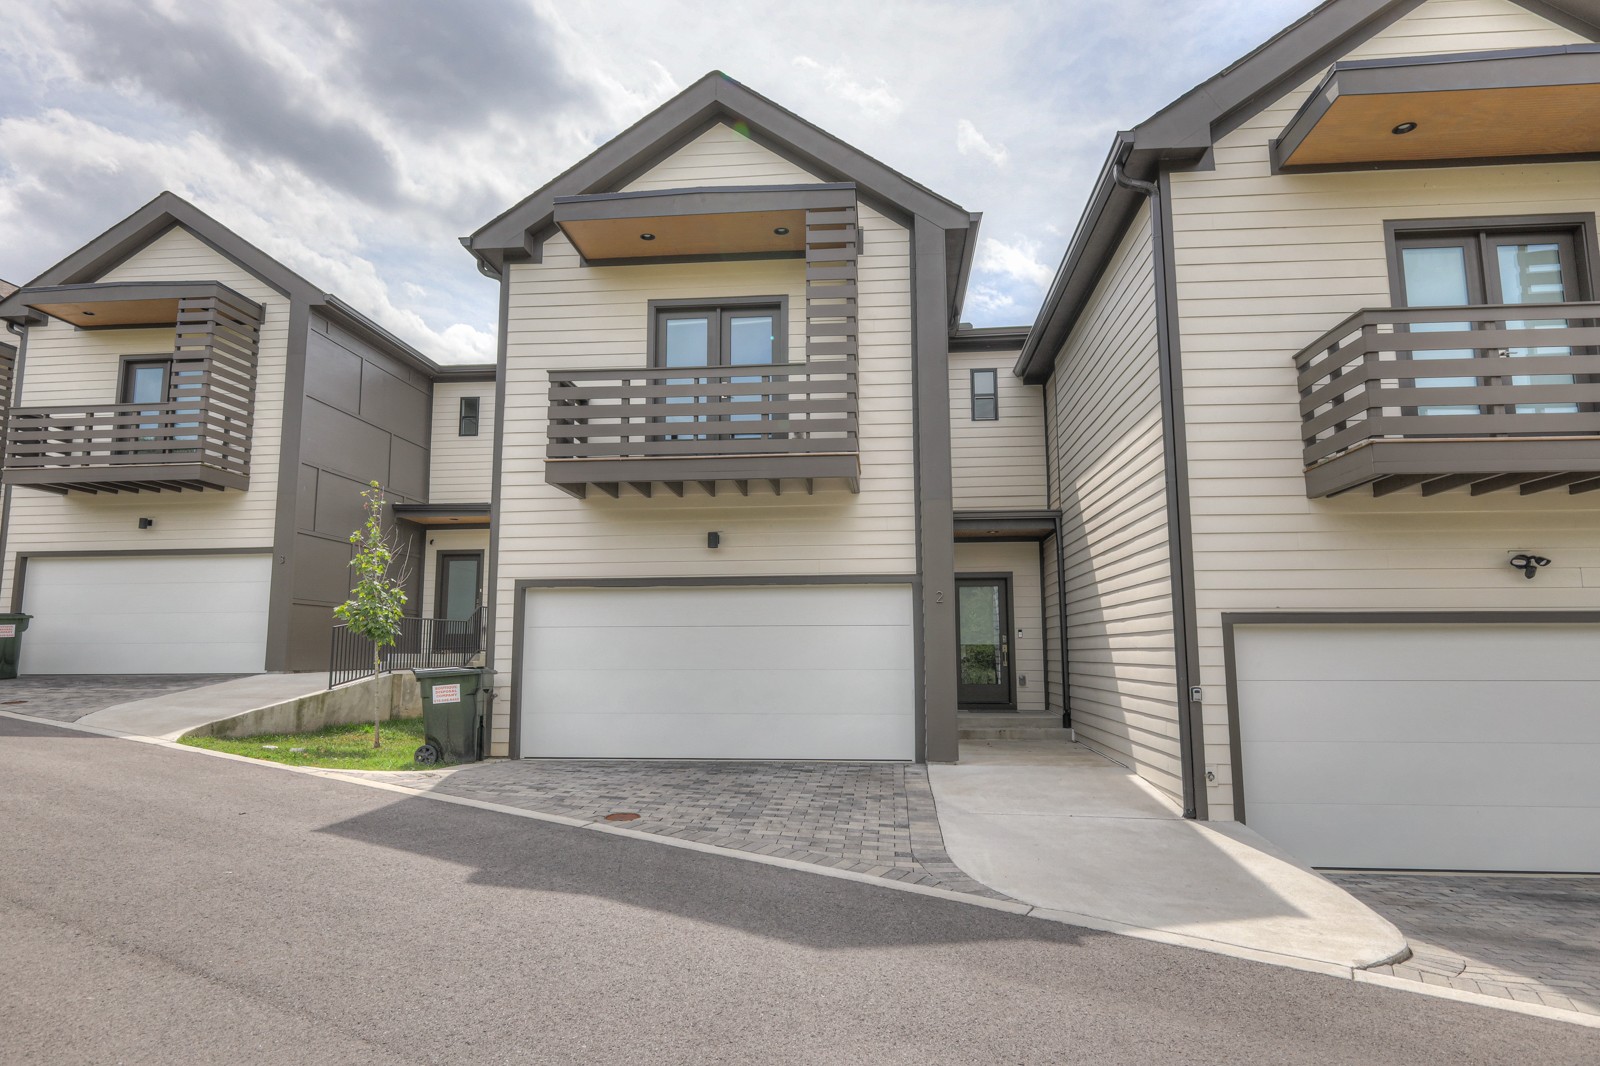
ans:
(713, 540)
(1529, 564)
(146, 523)
(782, 231)
(1404, 127)
(647, 236)
(87, 314)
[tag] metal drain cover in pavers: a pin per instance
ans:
(872, 818)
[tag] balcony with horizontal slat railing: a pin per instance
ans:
(1479, 398)
(672, 427)
(128, 447)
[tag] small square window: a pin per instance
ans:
(468, 424)
(985, 400)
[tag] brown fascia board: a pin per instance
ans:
(513, 233)
(1183, 132)
(989, 338)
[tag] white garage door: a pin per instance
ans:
(156, 614)
(747, 672)
(1470, 747)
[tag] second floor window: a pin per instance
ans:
(467, 423)
(731, 333)
(1467, 267)
(985, 395)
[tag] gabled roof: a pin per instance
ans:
(90, 263)
(718, 98)
(1184, 130)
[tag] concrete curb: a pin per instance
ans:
(1085, 921)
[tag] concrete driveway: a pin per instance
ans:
(68, 697)
(151, 705)
(1534, 939)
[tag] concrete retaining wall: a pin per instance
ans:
(400, 696)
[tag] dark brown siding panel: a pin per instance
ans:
(365, 417)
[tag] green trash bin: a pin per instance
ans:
(452, 714)
(11, 627)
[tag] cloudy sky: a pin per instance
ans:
(356, 140)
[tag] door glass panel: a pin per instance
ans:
(460, 587)
(686, 342)
(981, 629)
(1437, 277)
(752, 341)
(145, 383)
(1534, 273)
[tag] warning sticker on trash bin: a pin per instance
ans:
(8, 631)
(447, 693)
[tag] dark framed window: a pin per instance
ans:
(467, 423)
(1514, 262)
(739, 331)
(145, 381)
(985, 395)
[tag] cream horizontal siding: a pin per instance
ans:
(461, 469)
(1109, 482)
(66, 366)
(720, 156)
(1021, 561)
(565, 315)
(1267, 263)
(996, 465)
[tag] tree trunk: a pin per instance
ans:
(376, 680)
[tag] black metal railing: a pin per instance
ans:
(423, 643)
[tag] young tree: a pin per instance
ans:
(377, 602)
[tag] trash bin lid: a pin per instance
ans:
(446, 671)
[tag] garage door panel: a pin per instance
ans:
(736, 606)
(750, 692)
(1511, 775)
(1421, 746)
(146, 614)
(1422, 837)
(719, 736)
(774, 672)
(716, 647)
(1452, 653)
(1483, 711)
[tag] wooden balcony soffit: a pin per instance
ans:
(1483, 107)
(738, 222)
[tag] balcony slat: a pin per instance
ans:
(725, 447)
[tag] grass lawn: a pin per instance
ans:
(338, 747)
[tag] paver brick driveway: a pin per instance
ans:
(68, 697)
(873, 818)
(1529, 938)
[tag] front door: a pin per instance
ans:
(984, 655)
(458, 598)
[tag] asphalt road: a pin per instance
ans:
(165, 906)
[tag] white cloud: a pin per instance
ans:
(1020, 261)
(970, 141)
(875, 101)
(356, 142)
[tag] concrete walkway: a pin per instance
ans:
(171, 714)
(1057, 826)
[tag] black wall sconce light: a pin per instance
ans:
(146, 523)
(1529, 564)
(713, 540)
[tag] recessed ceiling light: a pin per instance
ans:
(1404, 127)
(782, 231)
(647, 236)
(87, 314)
